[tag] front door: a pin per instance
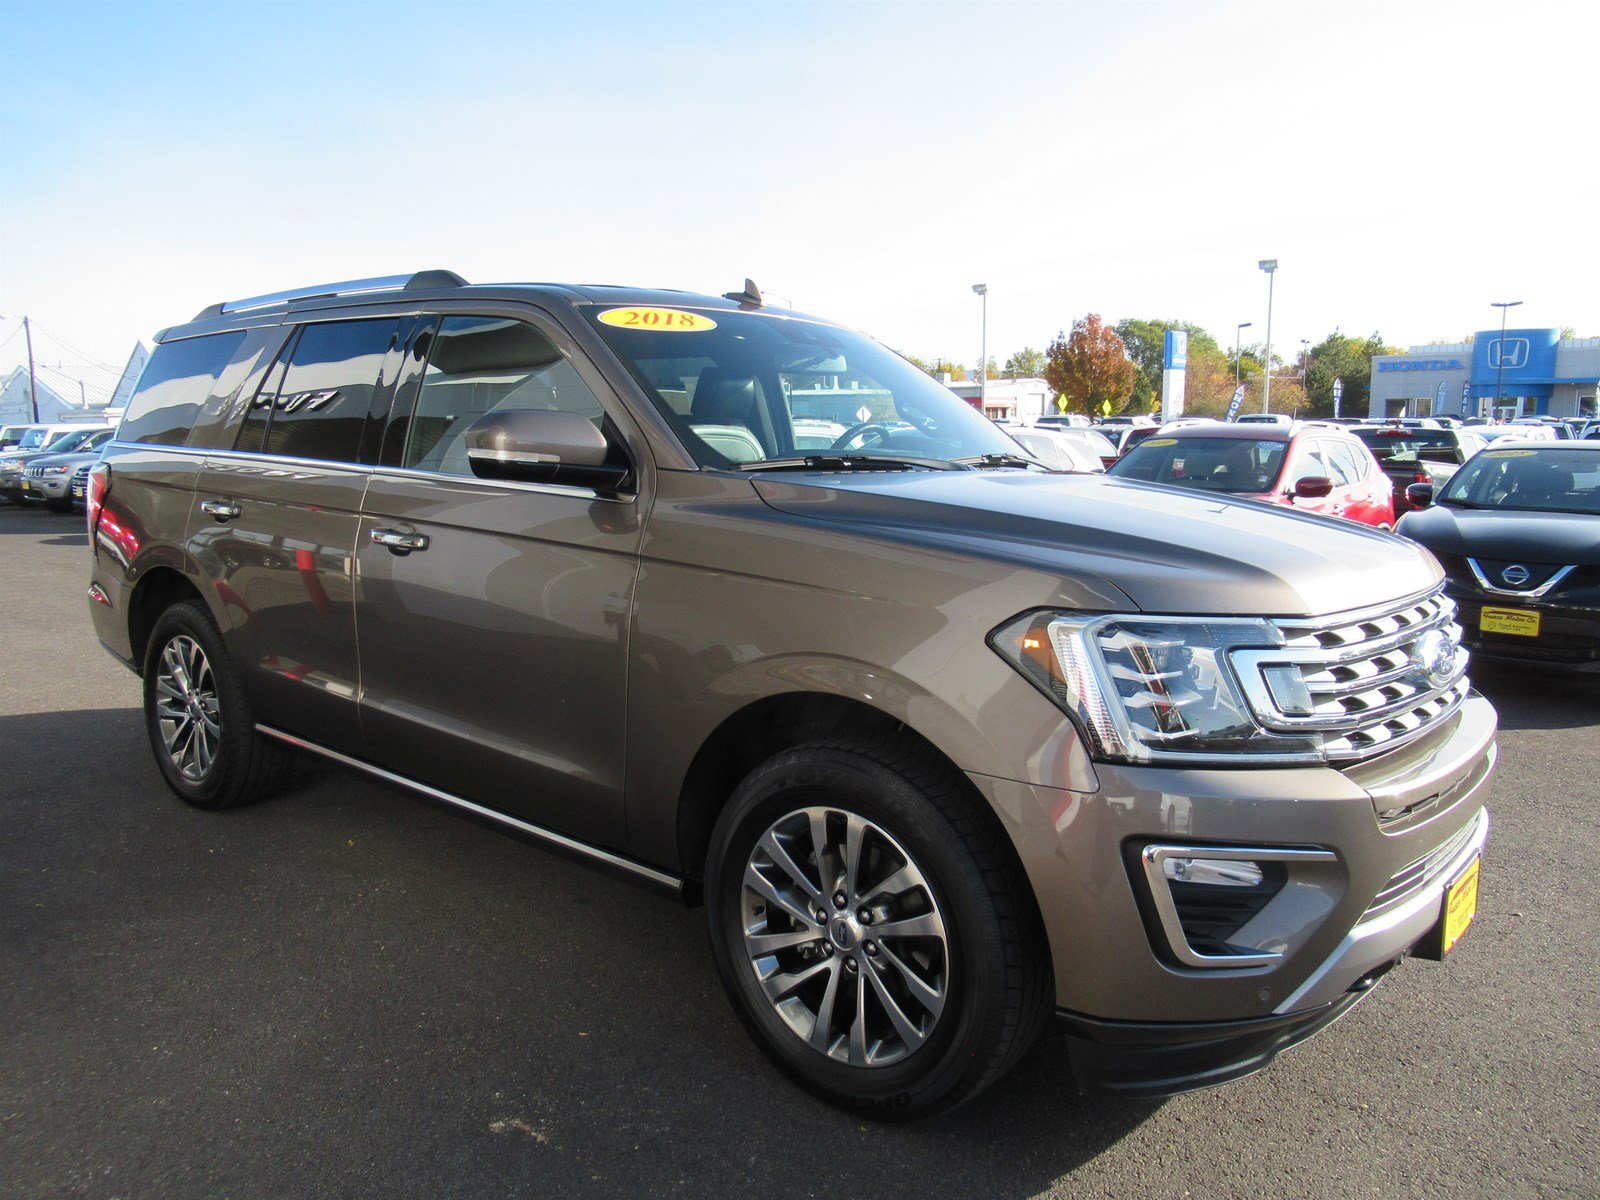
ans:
(493, 616)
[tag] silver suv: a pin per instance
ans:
(948, 745)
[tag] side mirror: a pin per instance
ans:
(1313, 487)
(1419, 495)
(541, 446)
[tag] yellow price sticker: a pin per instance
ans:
(1508, 453)
(1161, 442)
(670, 320)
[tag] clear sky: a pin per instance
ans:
(1407, 164)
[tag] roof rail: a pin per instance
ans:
(350, 287)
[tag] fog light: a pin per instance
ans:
(1204, 896)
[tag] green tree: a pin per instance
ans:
(1340, 357)
(1145, 342)
(936, 366)
(1090, 367)
(1026, 363)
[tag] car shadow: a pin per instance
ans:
(445, 1009)
(1529, 696)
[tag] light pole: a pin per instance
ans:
(1500, 350)
(1243, 325)
(1270, 266)
(983, 357)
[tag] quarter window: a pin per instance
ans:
(478, 365)
(175, 383)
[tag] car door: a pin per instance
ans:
(493, 615)
(1306, 463)
(276, 519)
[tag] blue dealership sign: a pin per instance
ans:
(1519, 356)
(1175, 356)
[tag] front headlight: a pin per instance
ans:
(1151, 689)
(53, 470)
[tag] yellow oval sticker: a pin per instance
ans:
(1508, 454)
(671, 320)
(1159, 442)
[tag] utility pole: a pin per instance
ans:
(1270, 266)
(33, 392)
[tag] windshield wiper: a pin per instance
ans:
(997, 460)
(848, 462)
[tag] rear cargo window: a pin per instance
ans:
(176, 382)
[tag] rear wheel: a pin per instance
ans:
(198, 718)
(873, 929)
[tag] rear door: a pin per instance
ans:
(494, 639)
(274, 526)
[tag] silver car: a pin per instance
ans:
(49, 477)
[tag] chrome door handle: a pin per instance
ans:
(400, 542)
(223, 510)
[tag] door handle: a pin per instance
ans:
(397, 541)
(223, 510)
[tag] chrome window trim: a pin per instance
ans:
(672, 884)
(1537, 593)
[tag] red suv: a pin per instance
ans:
(1313, 468)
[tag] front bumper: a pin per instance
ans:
(1569, 634)
(46, 487)
(1398, 829)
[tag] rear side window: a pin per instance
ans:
(176, 382)
(319, 407)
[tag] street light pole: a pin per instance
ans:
(1243, 325)
(1270, 266)
(1500, 350)
(983, 356)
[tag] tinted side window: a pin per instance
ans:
(321, 407)
(176, 382)
(480, 364)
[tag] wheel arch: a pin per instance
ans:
(158, 589)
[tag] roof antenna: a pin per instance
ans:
(750, 295)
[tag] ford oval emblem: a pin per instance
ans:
(1435, 656)
(1516, 575)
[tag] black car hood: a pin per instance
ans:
(1498, 533)
(1169, 550)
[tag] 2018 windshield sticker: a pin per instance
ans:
(1508, 454)
(669, 320)
(1162, 442)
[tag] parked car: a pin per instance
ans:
(1062, 421)
(1125, 437)
(1313, 469)
(11, 435)
(813, 434)
(1514, 433)
(1283, 419)
(37, 442)
(48, 477)
(946, 742)
(1517, 530)
(1058, 451)
(1410, 456)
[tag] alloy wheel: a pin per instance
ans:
(845, 937)
(188, 712)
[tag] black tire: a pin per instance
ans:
(991, 963)
(243, 766)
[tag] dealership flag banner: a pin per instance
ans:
(1438, 401)
(1466, 395)
(1233, 405)
(1338, 394)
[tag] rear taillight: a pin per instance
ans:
(94, 495)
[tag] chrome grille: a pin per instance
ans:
(1365, 681)
(1413, 877)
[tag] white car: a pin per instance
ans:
(1057, 450)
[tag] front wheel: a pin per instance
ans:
(198, 718)
(873, 929)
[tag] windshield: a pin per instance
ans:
(742, 388)
(10, 435)
(73, 440)
(1542, 480)
(35, 439)
(1232, 464)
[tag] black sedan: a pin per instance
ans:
(1517, 530)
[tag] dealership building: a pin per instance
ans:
(1533, 372)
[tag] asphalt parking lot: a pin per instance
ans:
(348, 992)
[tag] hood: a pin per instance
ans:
(1168, 549)
(1499, 533)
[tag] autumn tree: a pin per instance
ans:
(1089, 367)
(936, 366)
(1145, 344)
(1026, 363)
